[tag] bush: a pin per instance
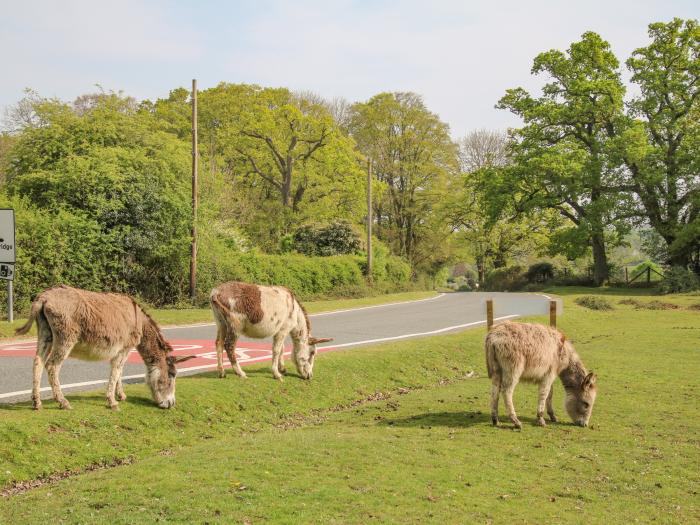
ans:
(505, 279)
(335, 239)
(540, 272)
(594, 302)
(679, 279)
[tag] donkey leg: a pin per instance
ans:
(545, 388)
(115, 374)
(280, 364)
(495, 391)
(43, 350)
(277, 343)
(36, 385)
(53, 370)
(231, 340)
(220, 335)
(508, 382)
(550, 408)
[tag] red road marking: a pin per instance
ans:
(248, 352)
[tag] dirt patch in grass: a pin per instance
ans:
(660, 305)
(593, 302)
(695, 307)
(21, 487)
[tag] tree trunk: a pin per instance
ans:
(600, 260)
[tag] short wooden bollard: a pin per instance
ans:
(489, 314)
(553, 314)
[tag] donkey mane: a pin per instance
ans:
(303, 309)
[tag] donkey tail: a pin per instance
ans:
(492, 365)
(37, 305)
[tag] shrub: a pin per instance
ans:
(334, 239)
(540, 272)
(594, 302)
(505, 279)
(679, 279)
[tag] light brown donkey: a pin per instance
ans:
(99, 327)
(537, 353)
(262, 311)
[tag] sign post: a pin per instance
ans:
(7, 255)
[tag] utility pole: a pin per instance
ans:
(195, 159)
(369, 220)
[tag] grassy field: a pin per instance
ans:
(396, 433)
(183, 316)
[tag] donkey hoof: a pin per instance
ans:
(517, 425)
(552, 418)
(36, 406)
(541, 422)
(65, 405)
(282, 370)
(114, 407)
(121, 397)
(222, 374)
(494, 421)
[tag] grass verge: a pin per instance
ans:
(397, 433)
(184, 316)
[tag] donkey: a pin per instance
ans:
(537, 353)
(262, 311)
(98, 327)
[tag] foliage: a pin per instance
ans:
(111, 165)
(678, 279)
(540, 272)
(508, 279)
(415, 163)
(564, 154)
(594, 302)
(57, 247)
(337, 238)
(660, 142)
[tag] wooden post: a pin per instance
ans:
(553, 314)
(648, 275)
(369, 220)
(489, 314)
(195, 159)
(627, 277)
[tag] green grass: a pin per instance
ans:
(184, 316)
(396, 433)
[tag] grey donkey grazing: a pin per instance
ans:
(99, 327)
(538, 354)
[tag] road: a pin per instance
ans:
(423, 318)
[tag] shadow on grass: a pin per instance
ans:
(440, 419)
(602, 290)
(456, 420)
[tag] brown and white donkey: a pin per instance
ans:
(262, 311)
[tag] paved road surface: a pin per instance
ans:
(349, 328)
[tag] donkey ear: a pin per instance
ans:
(183, 358)
(315, 341)
(589, 380)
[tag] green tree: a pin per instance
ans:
(109, 163)
(661, 144)
(415, 162)
(563, 153)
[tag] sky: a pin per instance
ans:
(460, 56)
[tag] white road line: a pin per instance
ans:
(319, 314)
(267, 357)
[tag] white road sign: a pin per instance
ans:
(7, 236)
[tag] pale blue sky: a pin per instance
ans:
(461, 56)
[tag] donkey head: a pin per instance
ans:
(304, 355)
(580, 400)
(160, 364)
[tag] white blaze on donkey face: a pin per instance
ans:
(259, 312)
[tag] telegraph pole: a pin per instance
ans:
(369, 220)
(195, 159)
